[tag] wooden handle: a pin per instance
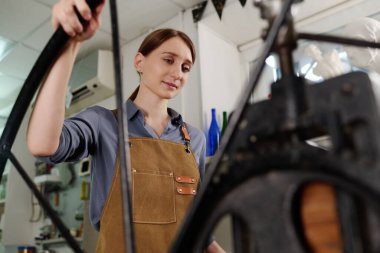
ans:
(320, 218)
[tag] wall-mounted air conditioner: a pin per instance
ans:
(92, 81)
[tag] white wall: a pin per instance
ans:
(220, 73)
(192, 106)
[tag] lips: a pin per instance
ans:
(171, 85)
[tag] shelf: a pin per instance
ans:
(57, 241)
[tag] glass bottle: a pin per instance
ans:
(224, 122)
(213, 134)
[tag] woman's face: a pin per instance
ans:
(165, 70)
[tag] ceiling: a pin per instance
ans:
(25, 27)
(242, 26)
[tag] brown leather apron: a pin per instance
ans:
(165, 178)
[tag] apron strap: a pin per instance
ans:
(186, 136)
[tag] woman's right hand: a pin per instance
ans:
(64, 15)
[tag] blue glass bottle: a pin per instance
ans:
(213, 135)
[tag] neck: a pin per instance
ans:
(151, 105)
(155, 110)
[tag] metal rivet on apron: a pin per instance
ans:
(180, 190)
(193, 180)
(171, 174)
(178, 178)
(134, 170)
(194, 191)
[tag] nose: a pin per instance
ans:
(176, 71)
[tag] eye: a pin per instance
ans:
(169, 60)
(186, 68)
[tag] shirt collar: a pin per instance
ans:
(176, 118)
(132, 111)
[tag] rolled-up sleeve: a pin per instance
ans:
(78, 138)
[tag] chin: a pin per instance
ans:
(169, 96)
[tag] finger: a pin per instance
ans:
(98, 19)
(54, 17)
(99, 8)
(83, 9)
(92, 27)
(69, 20)
(59, 19)
(55, 23)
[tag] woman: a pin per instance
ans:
(167, 156)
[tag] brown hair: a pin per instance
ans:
(156, 39)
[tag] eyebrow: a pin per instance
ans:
(176, 55)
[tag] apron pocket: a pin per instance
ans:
(153, 197)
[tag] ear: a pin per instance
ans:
(139, 62)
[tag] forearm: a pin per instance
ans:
(46, 122)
